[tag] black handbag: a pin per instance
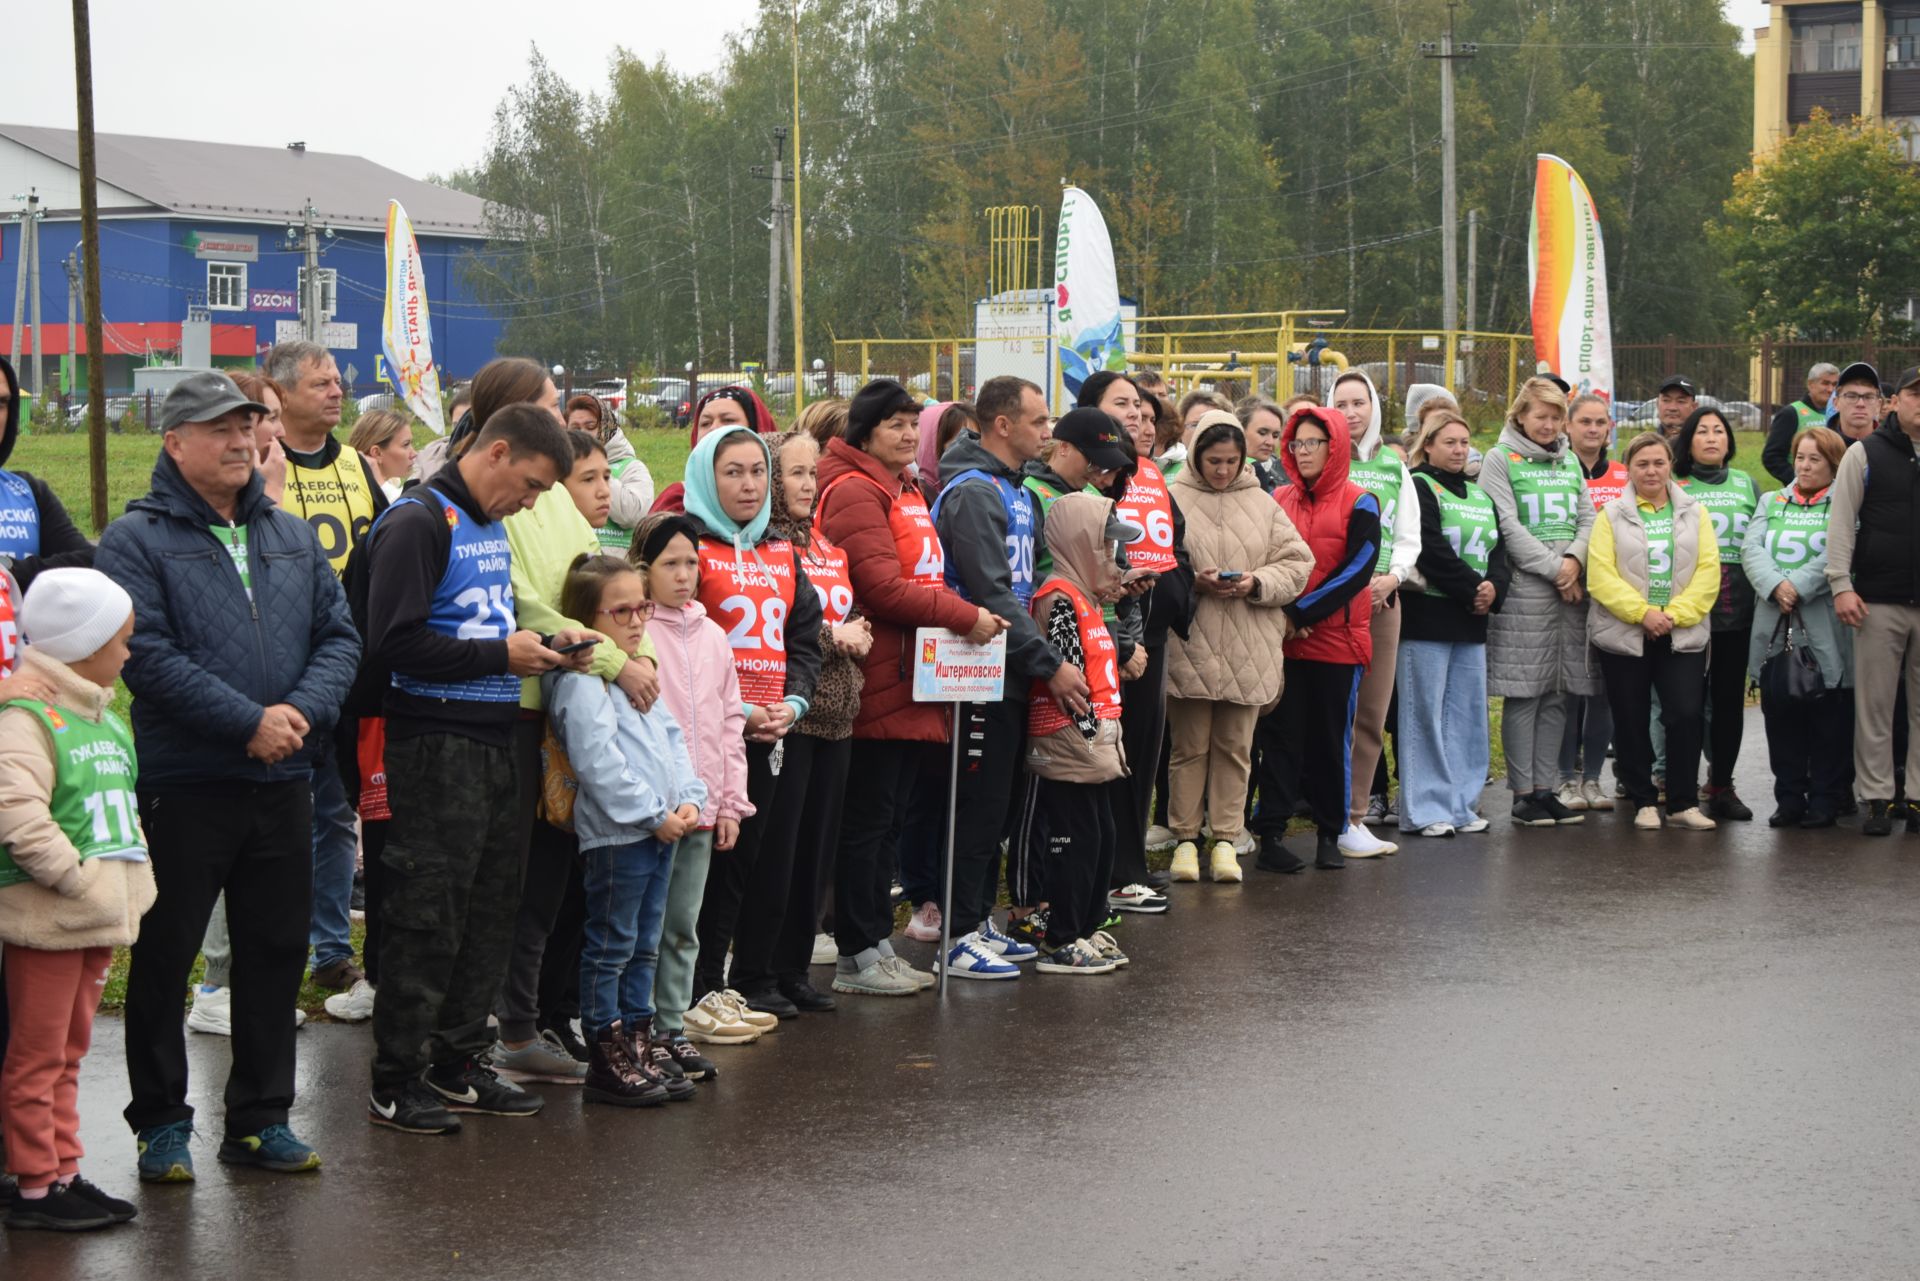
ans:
(1793, 674)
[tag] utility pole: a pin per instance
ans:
(307, 236)
(90, 249)
(1448, 53)
(1473, 269)
(73, 317)
(799, 311)
(776, 231)
(19, 290)
(33, 296)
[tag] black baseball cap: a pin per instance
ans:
(1859, 372)
(1680, 382)
(1566, 388)
(1095, 433)
(1908, 377)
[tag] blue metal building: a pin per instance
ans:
(201, 227)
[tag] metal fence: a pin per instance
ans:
(1749, 379)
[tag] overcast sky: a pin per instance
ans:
(332, 75)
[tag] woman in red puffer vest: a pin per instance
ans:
(1306, 742)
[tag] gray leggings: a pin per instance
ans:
(1530, 730)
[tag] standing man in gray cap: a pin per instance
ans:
(1789, 421)
(242, 653)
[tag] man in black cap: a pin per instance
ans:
(1789, 421)
(1857, 402)
(242, 652)
(1873, 566)
(1677, 399)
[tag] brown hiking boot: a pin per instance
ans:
(656, 1063)
(613, 1077)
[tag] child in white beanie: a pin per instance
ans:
(74, 882)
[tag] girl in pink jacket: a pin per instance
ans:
(698, 683)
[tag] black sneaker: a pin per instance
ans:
(122, 1211)
(1879, 819)
(1327, 855)
(1561, 815)
(1529, 812)
(771, 1002)
(562, 1031)
(1816, 818)
(1726, 803)
(1786, 816)
(471, 1086)
(662, 1059)
(693, 1065)
(806, 997)
(60, 1210)
(1031, 928)
(1275, 856)
(411, 1109)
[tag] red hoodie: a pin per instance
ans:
(1341, 523)
(674, 497)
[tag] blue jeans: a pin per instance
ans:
(626, 908)
(335, 843)
(1444, 742)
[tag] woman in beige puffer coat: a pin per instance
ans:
(1248, 561)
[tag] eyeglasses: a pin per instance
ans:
(624, 614)
(1858, 397)
(1307, 446)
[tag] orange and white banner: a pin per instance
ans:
(1567, 274)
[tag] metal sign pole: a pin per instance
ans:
(953, 805)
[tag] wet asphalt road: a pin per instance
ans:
(1587, 1052)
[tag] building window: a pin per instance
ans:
(1903, 43)
(1908, 127)
(329, 291)
(226, 286)
(1825, 46)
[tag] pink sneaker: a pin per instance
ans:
(925, 925)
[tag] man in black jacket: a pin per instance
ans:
(1789, 421)
(242, 653)
(440, 617)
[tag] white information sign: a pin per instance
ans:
(947, 669)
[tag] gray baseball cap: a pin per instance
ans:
(203, 397)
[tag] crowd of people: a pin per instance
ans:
(585, 754)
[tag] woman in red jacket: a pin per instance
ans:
(1306, 743)
(870, 508)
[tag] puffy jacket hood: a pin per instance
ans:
(1076, 539)
(966, 453)
(703, 495)
(1369, 443)
(1516, 441)
(1417, 397)
(11, 429)
(1339, 445)
(171, 495)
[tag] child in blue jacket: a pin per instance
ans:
(638, 794)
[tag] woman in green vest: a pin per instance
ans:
(1703, 458)
(1810, 745)
(1537, 643)
(1443, 741)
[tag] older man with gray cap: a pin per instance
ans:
(242, 652)
(1790, 420)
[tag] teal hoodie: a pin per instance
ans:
(802, 632)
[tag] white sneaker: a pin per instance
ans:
(1246, 843)
(1570, 795)
(1595, 795)
(299, 1018)
(1692, 820)
(1647, 818)
(1225, 864)
(1477, 826)
(1186, 863)
(1159, 838)
(1437, 829)
(711, 1020)
(355, 1005)
(973, 959)
(212, 1011)
(759, 1020)
(825, 950)
(1358, 842)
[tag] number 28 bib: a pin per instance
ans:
(751, 597)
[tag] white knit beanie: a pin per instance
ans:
(69, 614)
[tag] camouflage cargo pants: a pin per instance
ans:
(452, 891)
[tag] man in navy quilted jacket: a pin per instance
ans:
(242, 653)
